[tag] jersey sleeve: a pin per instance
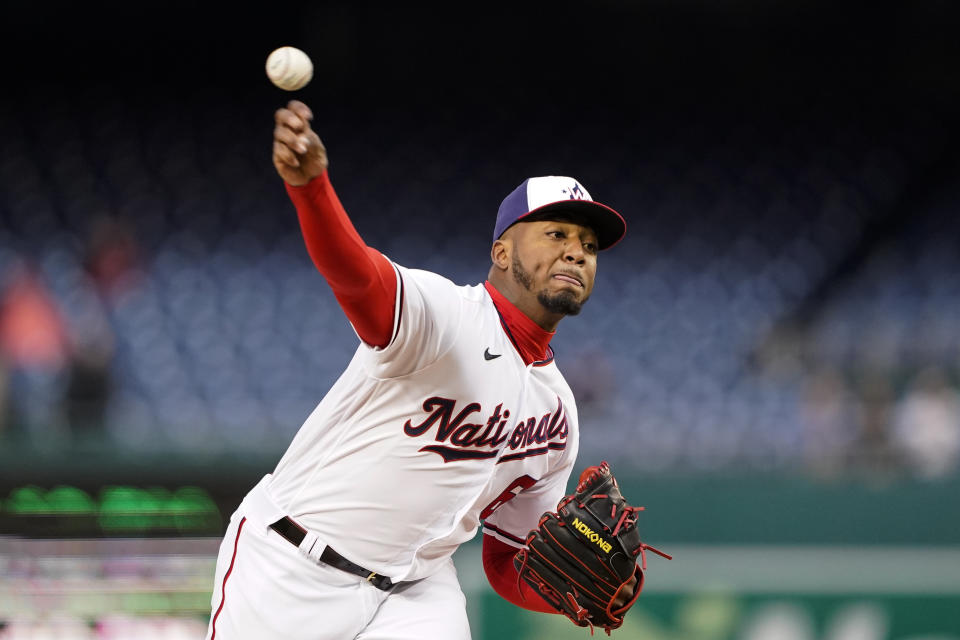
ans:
(505, 579)
(361, 278)
(511, 522)
(428, 311)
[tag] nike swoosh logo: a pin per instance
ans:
(490, 356)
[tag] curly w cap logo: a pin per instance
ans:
(591, 535)
(547, 189)
(575, 192)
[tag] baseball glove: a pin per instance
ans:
(581, 557)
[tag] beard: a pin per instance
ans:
(562, 302)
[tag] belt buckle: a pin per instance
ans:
(380, 581)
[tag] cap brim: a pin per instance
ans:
(609, 225)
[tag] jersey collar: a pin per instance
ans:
(531, 340)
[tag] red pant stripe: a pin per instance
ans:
(223, 590)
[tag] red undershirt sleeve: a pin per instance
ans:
(362, 279)
(503, 576)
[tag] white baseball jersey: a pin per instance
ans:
(419, 441)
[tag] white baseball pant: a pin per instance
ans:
(266, 588)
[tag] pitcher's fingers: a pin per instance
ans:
(297, 143)
(312, 140)
(300, 109)
(285, 155)
(290, 119)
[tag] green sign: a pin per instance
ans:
(125, 510)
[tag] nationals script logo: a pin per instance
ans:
(458, 439)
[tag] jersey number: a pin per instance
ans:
(518, 485)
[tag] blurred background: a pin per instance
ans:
(770, 361)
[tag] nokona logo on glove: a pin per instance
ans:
(591, 535)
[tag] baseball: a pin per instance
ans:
(289, 68)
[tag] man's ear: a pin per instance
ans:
(500, 253)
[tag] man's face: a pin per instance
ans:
(556, 261)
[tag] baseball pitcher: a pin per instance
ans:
(451, 415)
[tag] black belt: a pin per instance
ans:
(294, 534)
